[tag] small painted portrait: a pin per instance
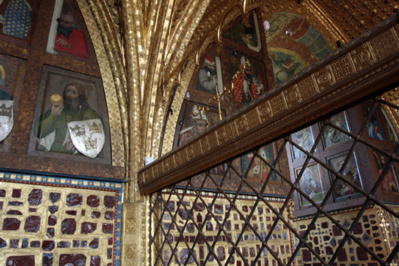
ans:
(15, 18)
(260, 168)
(311, 185)
(209, 77)
(72, 121)
(199, 125)
(304, 139)
(245, 32)
(374, 128)
(246, 84)
(195, 120)
(6, 108)
(390, 182)
(66, 35)
(350, 173)
(331, 135)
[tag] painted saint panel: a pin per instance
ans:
(259, 166)
(342, 189)
(247, 82)
(71, 116)
(304, 139)
(245, 32)
(66, 35)
(390, 181)
(311, 184)
(331, 135)
(210, 76)
(195, 121)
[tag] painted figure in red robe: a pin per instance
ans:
(69, 38)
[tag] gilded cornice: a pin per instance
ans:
(358, 70)
(105, 41)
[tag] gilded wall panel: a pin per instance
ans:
(384, 44)
(253, 118)
(292, 96)
(264, 111)
(222, 135)
(231, 130)
(362, 56)
(191, 151)
(205, 144)
(326, 236)
(262, 220)
(48, 220)
(307, 88)
(278, 103)
(212, 140)
(242, 124)
(324, 78)
(343, 67)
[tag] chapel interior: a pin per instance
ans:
(199, 132)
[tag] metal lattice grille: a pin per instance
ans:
(327, 198)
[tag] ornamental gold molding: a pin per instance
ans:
(361, 68)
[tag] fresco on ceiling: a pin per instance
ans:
(245, 32)
(293, 44)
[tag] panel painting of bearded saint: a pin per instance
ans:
(245, 77)
(71, 117)
(66, 34)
